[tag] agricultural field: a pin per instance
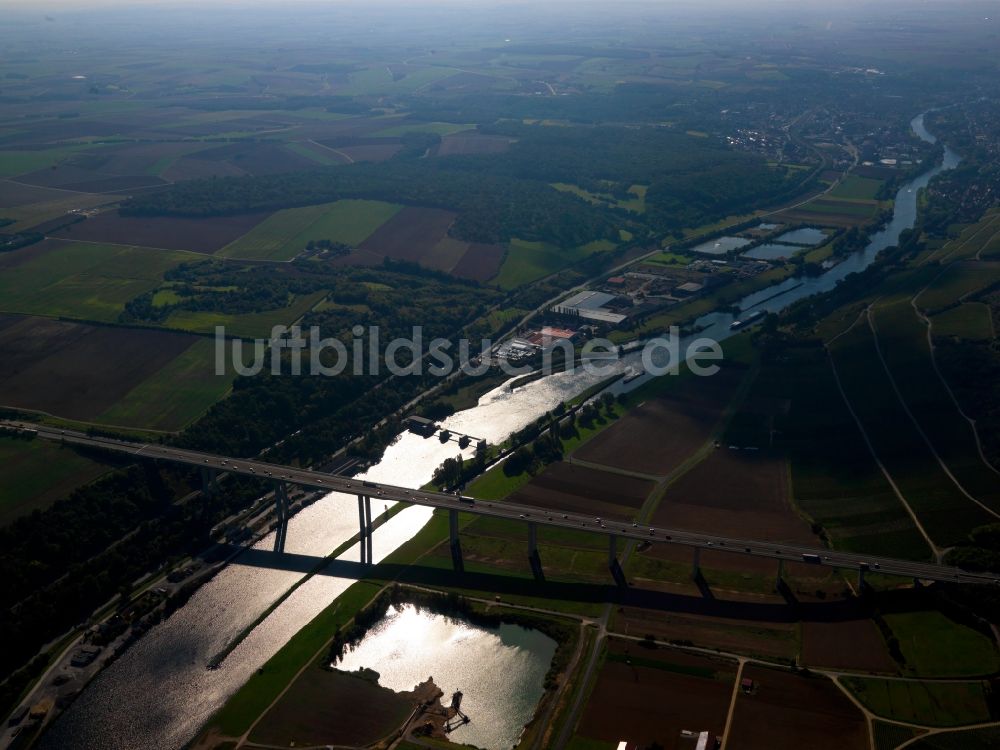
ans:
(330, 707)
(956, 282)
(728, 622)
(846, 644)
(791, 710)
(935, 704)
(564, 487)
(947, 515)
(180, 392)
(78, 279)
(835, 480)
(247, 325)
(199, 235)
(80, 371)
(738, 496)
(970, 739)
(411, 234)
(972, 321)
(857, 188)
(284, 235)
(902, 338)
(37, 473)
(529, 261)
(936, 646)
(656, 437)
(650, 695)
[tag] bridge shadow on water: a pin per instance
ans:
(704, 603)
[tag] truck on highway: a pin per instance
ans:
(811, 558)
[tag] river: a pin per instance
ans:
(160, 693)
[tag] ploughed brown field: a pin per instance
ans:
(791, 711)
(657, 696)
(735, 633)
(75, 370)
(480, 262)
(200, 235)
(852, 644)
(740, 494)
(565, 487)
(658, 436)
(411, 234)
(17, 194)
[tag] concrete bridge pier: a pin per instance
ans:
(368, 526)
(613, 565)
(362, 533)
(456, 545)
(281, 511)
(533, 557)
(779, 580)
(696, 565)
(209, 485)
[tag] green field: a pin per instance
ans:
(636, 203)
(840, 207)
(438, 128)
(36, 473)
(947, 515)
(529, 261)
(858, 188)
(903, 339)
(936, 704)
(82, 280)
(13, 163)
(970, 320)
(285, 234)
(935, 646)
(250, 325)
(956, 282)
(176, 395)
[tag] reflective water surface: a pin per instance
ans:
(500, 672)
(160, 693)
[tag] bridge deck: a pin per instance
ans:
(514, 511)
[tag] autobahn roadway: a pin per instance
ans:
(789, 553)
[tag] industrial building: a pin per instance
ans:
(591, 305)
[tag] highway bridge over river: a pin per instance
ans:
(281, 476)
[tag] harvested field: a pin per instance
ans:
(411, 234)
(789, 711)
(775, 640)
(114, 184)
(735, 493)
(472, 143)
(565, 487)
(16, 194)
(75, 370)
(853, 644)
(480, 262)
(200, 235)
(660, 693)
(659, 435)
(63, 174)
(446, 254)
